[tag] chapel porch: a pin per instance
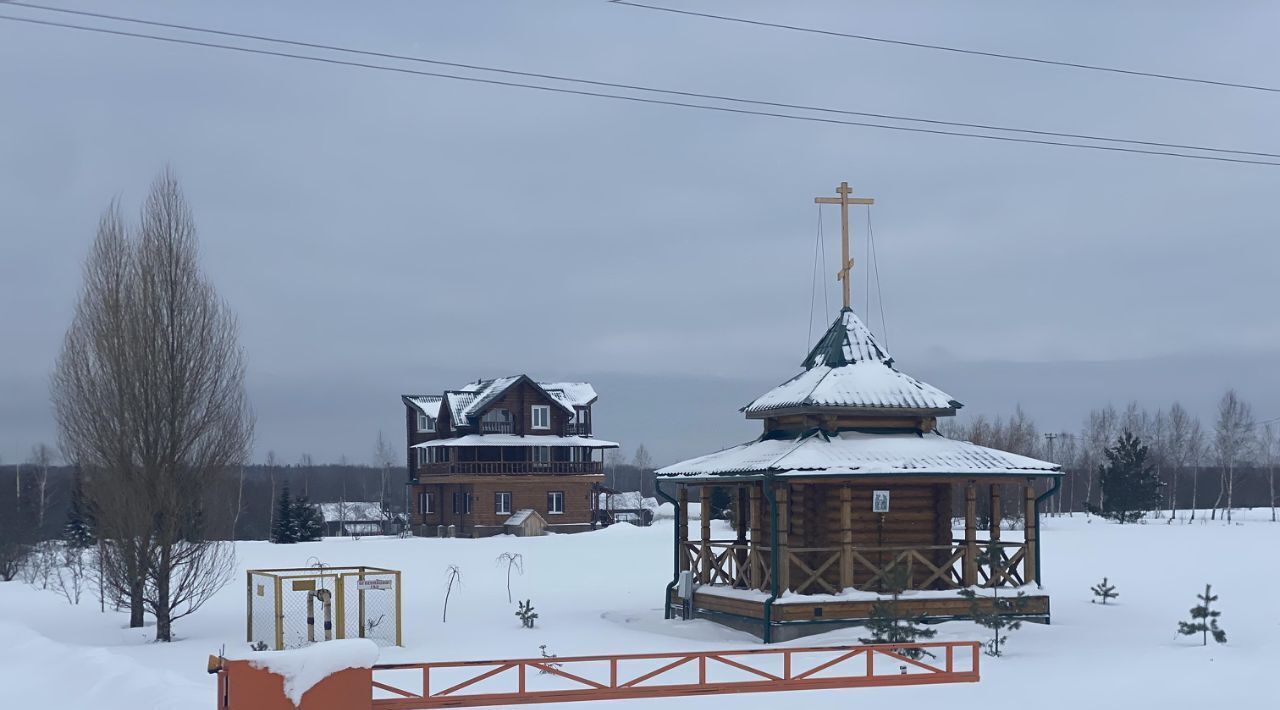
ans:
(834, 556)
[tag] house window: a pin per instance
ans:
(461, 503)
(576, 454)
(542, 455)
(424, 456)
(426, 423)
(541, 416)
(426, 503)
(555, 502)
(580, 416)
(502, 502)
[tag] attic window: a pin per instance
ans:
(541, 416)
(426, 423)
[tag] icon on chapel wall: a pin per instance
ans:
(880, 502)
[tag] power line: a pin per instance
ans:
(638, 87)
(636, 99)
(945, 48)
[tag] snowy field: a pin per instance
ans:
(600, 592)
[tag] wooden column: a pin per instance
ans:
(784, 553)
(704, 552)
(756, 563)
(740, 549)
(995, 512)
(1031, 526)
(796, 515)
(970, 535)
(683, 524)
(846, 537)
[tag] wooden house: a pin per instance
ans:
(849, 489)
(480, 453)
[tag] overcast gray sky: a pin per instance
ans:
(381, 233)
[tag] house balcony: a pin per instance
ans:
(497, 427)
(576, 429)
(510, 467)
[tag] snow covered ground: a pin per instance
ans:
(600, 592)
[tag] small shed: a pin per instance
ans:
(525, 523)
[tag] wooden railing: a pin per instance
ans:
(496, 427)
(490, 467)
(576, 429)
(416, 686)
(818, 570)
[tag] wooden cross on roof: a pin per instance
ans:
(844, 200)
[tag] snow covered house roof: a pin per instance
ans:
(851, 453)
(468, 400)
(518, 440)
(428, 404)
(848, 369)
(351, 510)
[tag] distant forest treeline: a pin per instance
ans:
(1230, 462)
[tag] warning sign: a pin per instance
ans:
(373, 584)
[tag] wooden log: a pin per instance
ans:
(995, 512)
(704, 552)
(784, 553)
(846, 537)
(970, 535)
(683, 525)
(757, 565)
(1031, 527)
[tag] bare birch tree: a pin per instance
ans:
(42, 457)
(1268, 457)
(1178, 443)
(1232, 435)
(150, 401)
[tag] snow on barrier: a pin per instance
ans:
(420, 686)
(331, 675)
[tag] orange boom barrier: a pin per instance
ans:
(452, 684)
(658, 675)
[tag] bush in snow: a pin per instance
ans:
(1204, 620)
(526, 613)
(1104, 591)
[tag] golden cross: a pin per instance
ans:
(846, 262)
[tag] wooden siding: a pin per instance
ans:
(526, 492)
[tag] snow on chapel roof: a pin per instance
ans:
(848, 368)
(859, 453)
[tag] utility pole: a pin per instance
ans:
(1051, 437)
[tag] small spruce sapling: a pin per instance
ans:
(889, 623)
(514, 561)
(526, 613)
(1204, 620)
(1104, 591)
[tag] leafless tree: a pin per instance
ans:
(514, 561)
(384, 457)
(272, 463)
(454, 576)
(306, 464)
(1178, 440)
(42, 457)
(1268, 457)
(1101, 430)
(150, 402)
(1231, 439)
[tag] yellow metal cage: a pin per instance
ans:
(294, 607)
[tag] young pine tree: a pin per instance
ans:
(283, 528)
(996, 616)
(526, 613)
(1104, 591)
(889, 623)
(1204, 620)
(1130, 485)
